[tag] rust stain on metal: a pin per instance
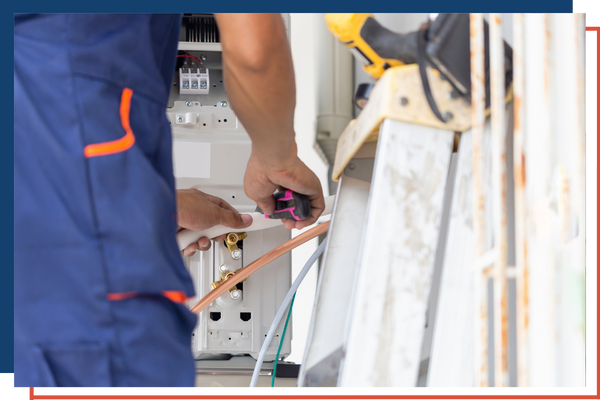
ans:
(519, 170)
(523, 174)
(525, 278)
(484, 360)
(517, 112)
(479, 203)
(478, 126)
(499, 171)
(564, 206)
(504, 304)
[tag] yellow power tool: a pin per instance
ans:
(377, 47)
(442, 43)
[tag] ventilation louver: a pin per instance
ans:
(199, 29)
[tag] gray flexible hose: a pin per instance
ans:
(282, 309)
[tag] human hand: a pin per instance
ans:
(263, 179)
(198, 211)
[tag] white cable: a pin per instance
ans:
(282, 309)
(259, 222)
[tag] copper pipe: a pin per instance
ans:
(251, 268)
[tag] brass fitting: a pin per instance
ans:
(224, 277)
(226, 274)
(231, 241)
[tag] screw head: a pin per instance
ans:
(223, 104)
(223, 268)
(235, 294)
(188, 103)
(236, 254)
(351, 166)
(452, 95)
(447, 116)
(203, 57)
(404, 101)
(179, 118)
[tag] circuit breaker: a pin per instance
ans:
(210, 152)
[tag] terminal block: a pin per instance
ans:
(193, 80)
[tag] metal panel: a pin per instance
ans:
(396, 264)
(229, 147)
(479, 200)
(440, 257)
(453, 349)
(499, 202)
(337, 277)
(521, 266)
(567, 102)
(549, 174)
(326, 371)
(262, 294)
(459, 350)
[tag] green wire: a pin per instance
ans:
(281, 341)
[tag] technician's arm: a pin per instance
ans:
(259, 77)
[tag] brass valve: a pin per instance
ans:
(225, 274)
(224, 277)
(231, 241)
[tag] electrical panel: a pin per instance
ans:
(210, 152)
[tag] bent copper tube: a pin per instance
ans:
(251, 268)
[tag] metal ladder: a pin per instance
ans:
(418, 254)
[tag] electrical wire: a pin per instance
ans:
(288, 297)
(254, 266)
(190, 56)
(422, 62)
(281, 341)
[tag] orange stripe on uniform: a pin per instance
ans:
(119, 145)
(121, 296)
(175, 296)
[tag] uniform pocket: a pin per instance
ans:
(73, 364)
(127, 148)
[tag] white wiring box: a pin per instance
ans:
(238, 325)
(194, 80)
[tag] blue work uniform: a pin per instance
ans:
(99, 280)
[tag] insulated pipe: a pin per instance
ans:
(259, 222)
(282, 308)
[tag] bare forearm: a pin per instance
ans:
(259, 77)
